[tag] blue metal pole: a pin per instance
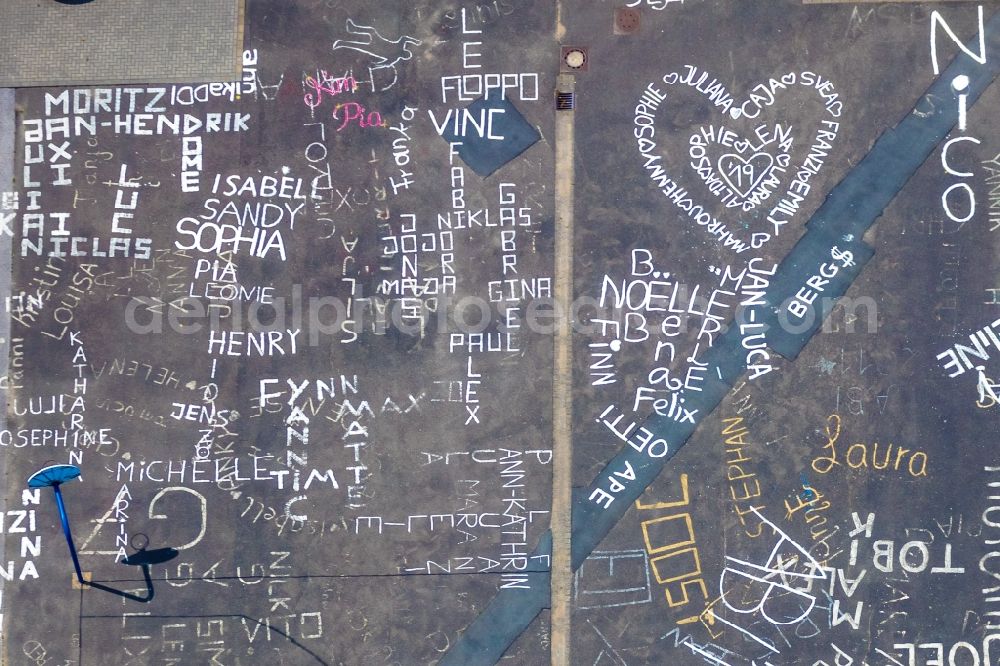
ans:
(69, 537)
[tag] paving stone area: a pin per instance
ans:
(43, 42)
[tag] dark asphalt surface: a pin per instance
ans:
(359, 493)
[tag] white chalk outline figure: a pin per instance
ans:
(369, 47)
(985, 388)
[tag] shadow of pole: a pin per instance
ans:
(143, 559)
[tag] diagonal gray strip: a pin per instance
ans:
(851, 208)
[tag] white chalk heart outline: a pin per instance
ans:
(761, 97)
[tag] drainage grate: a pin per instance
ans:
(626, 21)
(565, 101)
(574, 59)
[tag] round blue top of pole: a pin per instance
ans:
(53, 475)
